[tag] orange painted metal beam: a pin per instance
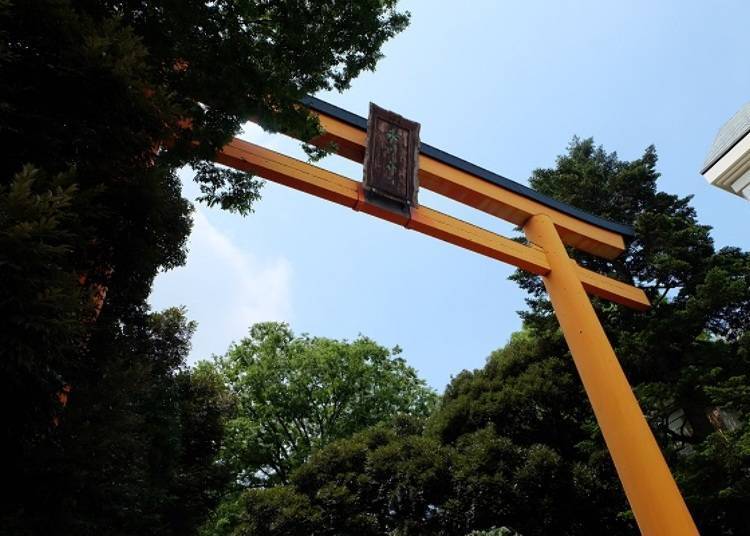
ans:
(656, 501)
(478, 193)
(305, 177)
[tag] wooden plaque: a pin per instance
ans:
(391, 159)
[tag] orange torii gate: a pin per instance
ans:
(396, 165)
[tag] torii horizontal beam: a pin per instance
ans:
(314, 180)
(469, 184)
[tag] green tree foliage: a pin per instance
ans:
(296, 394)
(99, 90)
(42, 306)
(199, 482)
(501, 531)
(101, 101)
(380, 481)
(515, 444)
(136, 453)
(528, 453)
(103, 82)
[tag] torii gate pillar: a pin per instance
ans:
(649, 486)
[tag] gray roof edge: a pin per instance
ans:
(711, 163)
(489, 176)
(728, 136)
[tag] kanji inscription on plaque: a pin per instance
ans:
(391, 158)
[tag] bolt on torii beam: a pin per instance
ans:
(396, 165)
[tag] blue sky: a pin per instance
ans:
(504, 85)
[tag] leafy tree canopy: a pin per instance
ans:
(380, 481)
(296, 394)
(135, 452)
(101, 101)
(98, 84)
(108, 98)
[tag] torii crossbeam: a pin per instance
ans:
(549, 225)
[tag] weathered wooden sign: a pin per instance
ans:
(391, 159)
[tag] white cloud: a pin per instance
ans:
(224, 288)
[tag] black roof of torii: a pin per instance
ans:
(360, 122)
